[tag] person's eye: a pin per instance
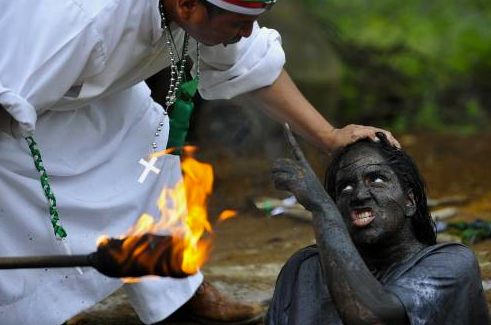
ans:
(346, 188)
(376, 179)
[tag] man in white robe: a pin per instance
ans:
(72, 76)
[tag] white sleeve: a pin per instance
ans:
(250, 64)
(47, 46)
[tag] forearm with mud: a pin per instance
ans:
(357, 295)
(286, 104)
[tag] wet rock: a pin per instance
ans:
(445, 213)
(486, 285)
(243, 272)
(114, 310)
(448, 238)
(455, 199)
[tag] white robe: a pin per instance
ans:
(71, 74)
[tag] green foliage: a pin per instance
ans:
(427, 117)
(436, 50)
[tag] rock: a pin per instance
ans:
(268, 271)
(455, 199)
(445, 213)
(447, 238)
(298, 214)
(287, 207)
(486, 285)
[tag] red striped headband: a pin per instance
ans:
(246, 7)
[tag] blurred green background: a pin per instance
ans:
(404, 65)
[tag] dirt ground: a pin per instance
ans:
(250, 250)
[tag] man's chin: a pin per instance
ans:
(210, 44)
(233, 41)
(215, 44)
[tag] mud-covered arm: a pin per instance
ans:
(357, 295)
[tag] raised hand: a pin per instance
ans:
(296, 176)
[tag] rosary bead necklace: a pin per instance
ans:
(177, 69)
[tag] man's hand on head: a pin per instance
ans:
(352, 133)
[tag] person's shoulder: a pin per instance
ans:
(122, 21)
(286, 284)
(452, 251)
(304, 262)
(95, 8)
(304, 255)
(458, 258)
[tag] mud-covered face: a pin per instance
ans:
(370, 197)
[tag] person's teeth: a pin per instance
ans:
(364, 215)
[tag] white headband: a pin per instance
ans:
(237, 8)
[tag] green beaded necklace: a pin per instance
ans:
(59, 231)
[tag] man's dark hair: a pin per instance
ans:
(409, 176)
(211, 9)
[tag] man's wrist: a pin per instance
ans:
(328, 139)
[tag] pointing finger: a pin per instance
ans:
(297, 151)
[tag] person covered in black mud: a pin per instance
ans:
(376, 260)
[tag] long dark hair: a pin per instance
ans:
(409, 176)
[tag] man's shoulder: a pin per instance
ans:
(116, 22)
(92, 9)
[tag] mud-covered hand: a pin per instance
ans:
(296, 176)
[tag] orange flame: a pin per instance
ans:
(227, 214)
(183, 213)
(196, 189)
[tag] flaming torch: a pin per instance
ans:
(116, 258)
(142, 251)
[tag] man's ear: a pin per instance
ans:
(186, 9)
(410, 207)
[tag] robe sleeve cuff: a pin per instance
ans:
(21, 111)
(258, 64)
